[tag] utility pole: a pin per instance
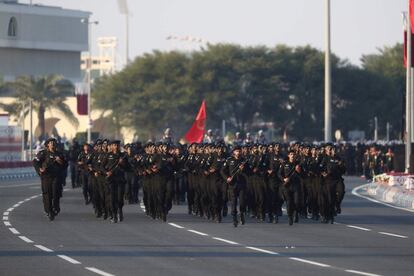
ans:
(408, 95)
(328, 112)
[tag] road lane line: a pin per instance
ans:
(198, 233)
(359, 228)
(176, 225)
(226, 241)
(7, 223)
(309, 262)
(25, 239)
(41, 247)
(10, 209)
(20, 202)
(5, 218)
(14, 231)
(393, 235)
(361, 272)
(98, 271)
(262, 250)
(16, 205)
(6, 213)
(69, 259)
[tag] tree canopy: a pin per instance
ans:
(250, 86)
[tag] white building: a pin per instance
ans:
(40, 40)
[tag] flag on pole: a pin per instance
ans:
(196, 132)
(411, 11)
(81, 92)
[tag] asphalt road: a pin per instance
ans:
(368, 239)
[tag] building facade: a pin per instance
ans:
(40, 40)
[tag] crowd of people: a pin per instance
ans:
(254, 179)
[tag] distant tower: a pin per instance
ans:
(107, 55)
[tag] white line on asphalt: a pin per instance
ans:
(392, 235)
(357, 227)
(10, 209)
(97, 271)
(226, 241)
(262, 250)
(33, 197)
(14, 231)
(362, 273)
(7, 223)
(69, 259)
(355, 193)
(16, 186)
(23, 238)
(20, 202)
(5, 218)
(309, 262)
(176, 225)
(6, 213)
(16, 205)
(41, 247)
(198, 233)
(27, 199)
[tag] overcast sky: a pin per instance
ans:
(358, 26)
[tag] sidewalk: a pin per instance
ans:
(398, 192)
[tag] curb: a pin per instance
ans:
(394, 195)
(17, 174)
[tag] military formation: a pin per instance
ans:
(215, 180)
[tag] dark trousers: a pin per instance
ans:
(292, 197)
(275, 197)
(117, 192)
(237, 196)
(50, 194)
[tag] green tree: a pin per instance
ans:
(46, 93)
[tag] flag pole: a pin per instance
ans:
(408, 94)
(328, 112)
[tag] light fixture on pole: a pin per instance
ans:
(88, 75)
(123, 9)
(408, 93)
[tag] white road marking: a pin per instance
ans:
(7, 223)
(33, 197)
(362, 273)
(25, 239)
(6, 213)
(41, 247)
(16, 205)
(20, 202)
(5, 218)
(98, 271)
(198, 233)
(18, 185)
(309, 262)
(355, 193)
(262, 250)
(10, 209)
(226, 241)
(69, 259)
(393, 235)
(14, 231)
(176, 225)
(357, 227)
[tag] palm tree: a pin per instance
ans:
(46, 93)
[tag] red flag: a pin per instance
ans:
(405, 49)
(196, 132)
(81, 99)
(412, 14)
(82, 104)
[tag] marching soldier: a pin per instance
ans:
(50, 164)
(233, 172)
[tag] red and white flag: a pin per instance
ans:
(81, 92)
(196, 132)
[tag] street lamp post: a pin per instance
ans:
(408, 94)
(88, 76)
(328, 114)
